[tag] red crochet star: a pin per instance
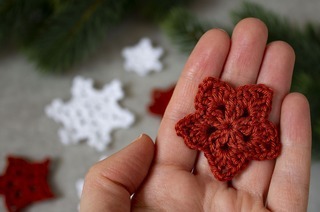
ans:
(160, 99)
(24, 183)
(231, 126)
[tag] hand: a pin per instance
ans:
(160, 175)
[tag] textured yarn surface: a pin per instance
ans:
(231, 126)
(24, 183)
(90, 115)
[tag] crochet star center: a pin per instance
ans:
(231, 126)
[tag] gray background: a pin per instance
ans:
(24, 92)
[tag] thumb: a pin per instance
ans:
(110, 183)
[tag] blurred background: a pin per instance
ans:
(44, 44)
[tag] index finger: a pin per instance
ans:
(207, 59)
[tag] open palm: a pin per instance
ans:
(168, 176)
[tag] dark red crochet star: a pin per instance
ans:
(24, 183)
(161, 98)
(231, 126)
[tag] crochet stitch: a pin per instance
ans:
(231, 126)
(90, 114)
(24, 183)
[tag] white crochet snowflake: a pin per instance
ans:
(142, 58)
(91, 114)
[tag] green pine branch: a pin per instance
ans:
(56, 34)
(155, 9)
(184, 29)
(73, 33)
(20, 20)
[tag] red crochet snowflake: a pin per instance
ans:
(24, 183)
(161, 99)
(231, 126)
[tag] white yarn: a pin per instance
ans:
(91, 114)
(142, 58)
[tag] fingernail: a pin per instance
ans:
(141, 135)
(138, 138)
(222, 30)
(145, 137)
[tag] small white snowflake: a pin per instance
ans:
(91, 114)
(142, 58)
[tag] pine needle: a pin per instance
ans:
(20, 20)
(184, 29)
(73, 33)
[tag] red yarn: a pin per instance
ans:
(160, 99)
(24, 183)
(231, 126)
